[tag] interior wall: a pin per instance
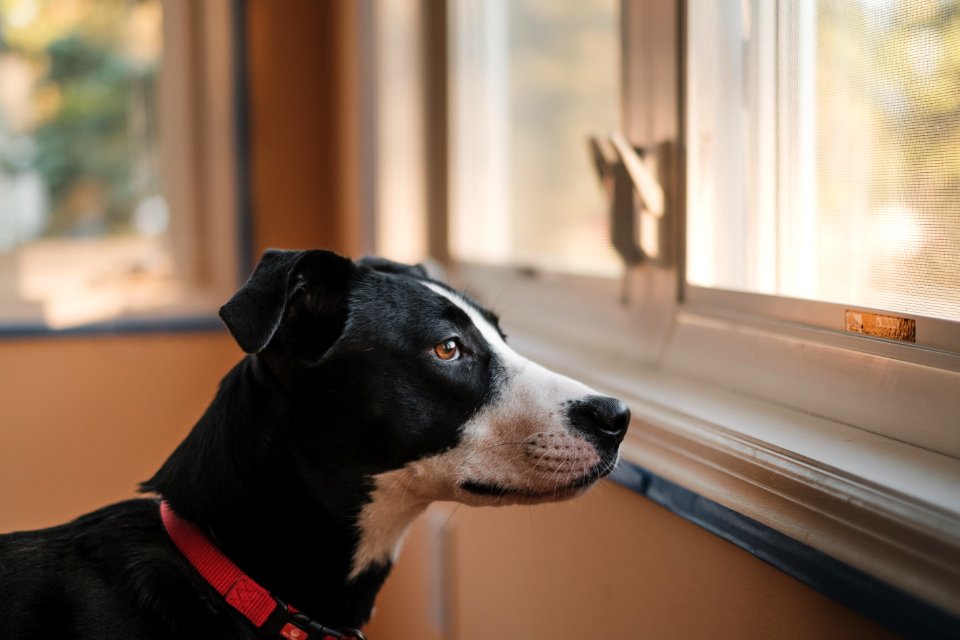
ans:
(85, 419)
(610, 565)
(304, 132)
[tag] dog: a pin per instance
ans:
(369, 391)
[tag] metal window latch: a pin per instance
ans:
(633, 178)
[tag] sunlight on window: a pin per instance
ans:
(83, 220)
(824, 161)
(530, 81)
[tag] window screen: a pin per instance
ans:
(824, 151)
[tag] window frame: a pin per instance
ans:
(766, 447)
(201, 89)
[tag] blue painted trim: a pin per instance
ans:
(127, 326)
(898, 611)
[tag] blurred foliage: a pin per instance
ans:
(89, 125)
(889, 131)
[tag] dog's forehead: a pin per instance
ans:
(402, 309)
(482, 319)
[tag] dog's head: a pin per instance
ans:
(399, 378)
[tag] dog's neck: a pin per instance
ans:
(234, 479)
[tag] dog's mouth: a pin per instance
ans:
(495, 490)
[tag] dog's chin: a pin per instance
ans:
(485, 493)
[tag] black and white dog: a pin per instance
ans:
(369, 392)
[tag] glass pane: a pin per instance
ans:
(530, 81)
(824, 151)
(83, 221)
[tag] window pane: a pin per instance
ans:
(83, 222)
(824, 151)
(531, 80)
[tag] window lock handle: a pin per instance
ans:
(638, 205)
(630, 176)
(616, 182)
(640, 166)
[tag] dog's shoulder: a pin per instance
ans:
(113, 566)
(93, 534)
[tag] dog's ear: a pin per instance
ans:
(311, 282)
(389, 266)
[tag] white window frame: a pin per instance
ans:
(760, 404)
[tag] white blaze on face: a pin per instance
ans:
(520, 443)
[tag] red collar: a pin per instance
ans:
(271, 617)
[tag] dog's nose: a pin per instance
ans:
(600, 416)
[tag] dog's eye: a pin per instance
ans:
(449, 349)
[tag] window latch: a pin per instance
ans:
(633, 179)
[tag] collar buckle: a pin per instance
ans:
(290, 624)
(325, 633)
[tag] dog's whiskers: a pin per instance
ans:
(473, 454)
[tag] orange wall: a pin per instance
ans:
(609, 565)
(303, 133)
(85, 419)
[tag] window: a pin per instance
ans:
(823, 152)
(802, 182)
(530, 81)
(108, 110)
(821, 171)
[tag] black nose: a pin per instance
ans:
(600, 416)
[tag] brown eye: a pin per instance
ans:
(447, 350)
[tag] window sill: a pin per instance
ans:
(179, 323)
(70, 286)
(885, 507)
